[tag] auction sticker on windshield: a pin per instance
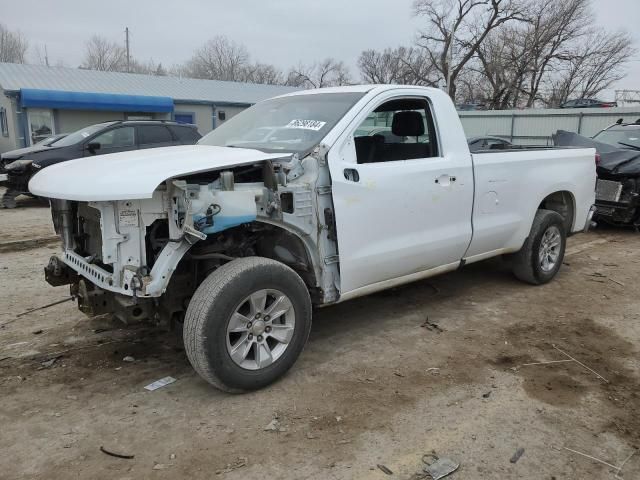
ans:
(306, 124)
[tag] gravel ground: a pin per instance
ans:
(432, 366)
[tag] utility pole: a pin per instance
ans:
(126, 36)
(46, 56)
(450, 61)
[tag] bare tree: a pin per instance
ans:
(590, 67)
(503, 63)
(462, 25)
(327, 73)
(552, 28)
(553, 54)
(147, 68)
(102, 54)
(13, 46)
(219, 59)
(407, 66)
(263, 73)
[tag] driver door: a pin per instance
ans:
(402, 205)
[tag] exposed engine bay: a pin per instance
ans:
(143, 259)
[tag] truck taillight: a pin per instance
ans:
(598, 158)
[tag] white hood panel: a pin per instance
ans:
(135, 174)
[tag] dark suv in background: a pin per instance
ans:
(110, 137)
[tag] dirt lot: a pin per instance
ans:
(376, 384)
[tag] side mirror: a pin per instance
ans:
(93, 146)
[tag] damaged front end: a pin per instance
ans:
(618, 200)
(143, 259)
(618, 184)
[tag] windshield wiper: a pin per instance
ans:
(630, 145)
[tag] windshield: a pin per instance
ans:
(80, 135)
(620, 137)
(47, 141)
(293, 124)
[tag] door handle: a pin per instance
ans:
(445, 180)
(351, 174)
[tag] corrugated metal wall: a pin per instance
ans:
(535, 127)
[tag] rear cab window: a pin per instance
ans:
(399, 129)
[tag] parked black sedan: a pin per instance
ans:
(109, 137)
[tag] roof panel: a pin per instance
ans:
(15, 77)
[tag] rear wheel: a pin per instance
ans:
(247, 323)
(540, 258)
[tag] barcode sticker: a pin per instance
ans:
(128, 218)
(314, 125)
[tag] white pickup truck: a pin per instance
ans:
(311, 198)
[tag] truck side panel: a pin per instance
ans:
(510, 185)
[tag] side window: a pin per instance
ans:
(400, 129)
(116, 138)
(154, 134)
(185, 134)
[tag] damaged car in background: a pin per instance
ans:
(298, 202)
(618, 185)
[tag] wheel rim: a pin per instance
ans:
(549, 253)
(260, 329)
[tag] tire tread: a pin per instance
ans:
(194, 332)
(522, 267)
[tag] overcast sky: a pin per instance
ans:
(282, 32)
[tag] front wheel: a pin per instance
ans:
(540, 258)
(247, 323)
(9, 198)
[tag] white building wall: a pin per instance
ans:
(535, 127)
(68, 121)
(203, 115)
(229, 112)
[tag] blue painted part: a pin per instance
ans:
(58, 99)
(184, 117)
(220, 222)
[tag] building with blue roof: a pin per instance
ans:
(37, 101)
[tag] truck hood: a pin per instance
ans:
(136, 174)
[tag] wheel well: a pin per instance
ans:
(562, 203)
(278, 244)
(255, 239)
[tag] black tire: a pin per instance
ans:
(526, 262)
(217, 299)
(9, 198)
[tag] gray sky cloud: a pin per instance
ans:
(282, 32)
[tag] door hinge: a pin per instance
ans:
(324, 190)
(331, 259)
